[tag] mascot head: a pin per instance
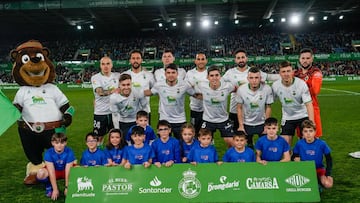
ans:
(32, 67)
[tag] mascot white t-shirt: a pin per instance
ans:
(37, 102)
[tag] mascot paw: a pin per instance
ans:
(31, 171)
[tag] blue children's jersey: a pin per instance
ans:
(272, 150)
(115, 154)
(203, 154)
(314, 151)
(97, 158)
(138, 155)
(59, 160)
(185, 148)
(232, 155)
(149, 134)
(167, 151)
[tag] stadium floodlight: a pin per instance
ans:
(78, 27)
(174, 24)
(91, 27)
(311, 18)
(283, 20)
(188, 23)
(341, 17)
(205, 23)
(160, 24)
(325, 18)
(236, 21)
(294, 19)
(271, 20)
(216, 22)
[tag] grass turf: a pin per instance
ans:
(340, 112)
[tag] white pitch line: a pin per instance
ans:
(344, 91)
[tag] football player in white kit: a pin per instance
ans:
(193, 77)
(140, 78)
(238, 76)
(104, 84)
(127, 103)
(295, 99)
(254, 101)
(168, 58)
(172, 98)
(215, 94)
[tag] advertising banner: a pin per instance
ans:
(229, 182)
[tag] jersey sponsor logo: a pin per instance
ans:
(117, 186)
(129, 108)
(288, 100)
(165, 151)
(273, 149)
(204, 157)
(189, 186)
(139, 157)
(254, 105)
(224, 184)
(171, 99)
(215, 101)
(263, 183)
(239, 83)
(38, 100)
(136, 84)
(310, 152)
(297, 181)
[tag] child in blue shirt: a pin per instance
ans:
(58, 161)
(93, 156)
(205, 152)
(187, 141)
(139, 152)
(272, 147)
(142, 119)
(166, 148)
(114, 149)
(239, 152)
(311, 148)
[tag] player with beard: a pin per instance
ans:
(237, 76)
(140, 78)
(193, 77)
(313, 78)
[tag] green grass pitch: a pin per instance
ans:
(340, 112)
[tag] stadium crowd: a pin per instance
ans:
(186, 46)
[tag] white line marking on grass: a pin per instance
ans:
(344, 91)
(338, 95)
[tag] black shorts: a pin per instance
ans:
(102, 124)
(225, 128)
(176, 129)
(288, 128)
(196, 120)
(253, 130)
(234, 119)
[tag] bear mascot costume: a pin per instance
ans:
(44, 108)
